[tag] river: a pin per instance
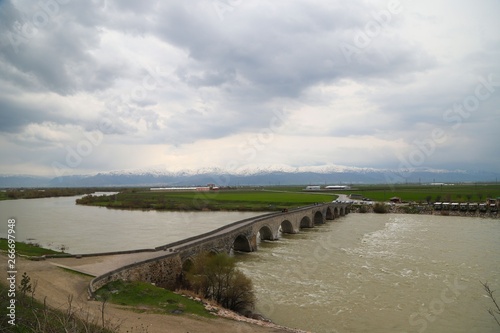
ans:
(359, 273)
(53, 222)
(380, 273)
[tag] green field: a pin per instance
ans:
(432, 193)
(278, 198)
(242, 200)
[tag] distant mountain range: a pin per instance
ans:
(274, 175)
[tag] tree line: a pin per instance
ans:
(49, 192)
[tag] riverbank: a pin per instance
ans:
(422, 210)
(54, 285)
(15, 194)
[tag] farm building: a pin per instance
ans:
(209, 187)
(313, 188)
(337, 187)
(395, 199)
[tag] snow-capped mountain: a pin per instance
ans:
(251, 175)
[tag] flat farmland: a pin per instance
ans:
(273, 198)
(241, 200)
(424, 193)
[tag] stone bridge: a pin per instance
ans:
(164, 265)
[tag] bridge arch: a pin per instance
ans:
(287, 227)
(306, 222)
(266, 233)
(213, 252)
(187, 264)
(241, 243)
(318, 218)
(166, 269)
(329, 214)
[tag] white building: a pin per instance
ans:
(337, 187)
(313, 188)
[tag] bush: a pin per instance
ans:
(216, 277)
(380, 208)
(363, 209)
(411, 210)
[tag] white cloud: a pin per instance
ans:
(191, 85)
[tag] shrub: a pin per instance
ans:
(380, 208)
(216, 277)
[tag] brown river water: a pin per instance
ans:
(359, 273)
(380, 273)
(52, 222)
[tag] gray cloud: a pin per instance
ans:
(224, 75)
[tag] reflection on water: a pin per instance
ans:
(380, 273)
(52, 222)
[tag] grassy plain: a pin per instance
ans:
(421, 193)
(274, 198)
(241, 200)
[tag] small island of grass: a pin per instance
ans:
(224, 200)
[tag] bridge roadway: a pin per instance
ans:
(151, 264)
(99, 264)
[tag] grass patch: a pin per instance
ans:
(28, 249)
(141, 294)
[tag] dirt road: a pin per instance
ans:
(56, 284)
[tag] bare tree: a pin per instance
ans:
(496, 311)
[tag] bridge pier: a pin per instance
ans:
(253, 243)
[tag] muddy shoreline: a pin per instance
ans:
(422, 210)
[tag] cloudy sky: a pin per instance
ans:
(90, 86)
